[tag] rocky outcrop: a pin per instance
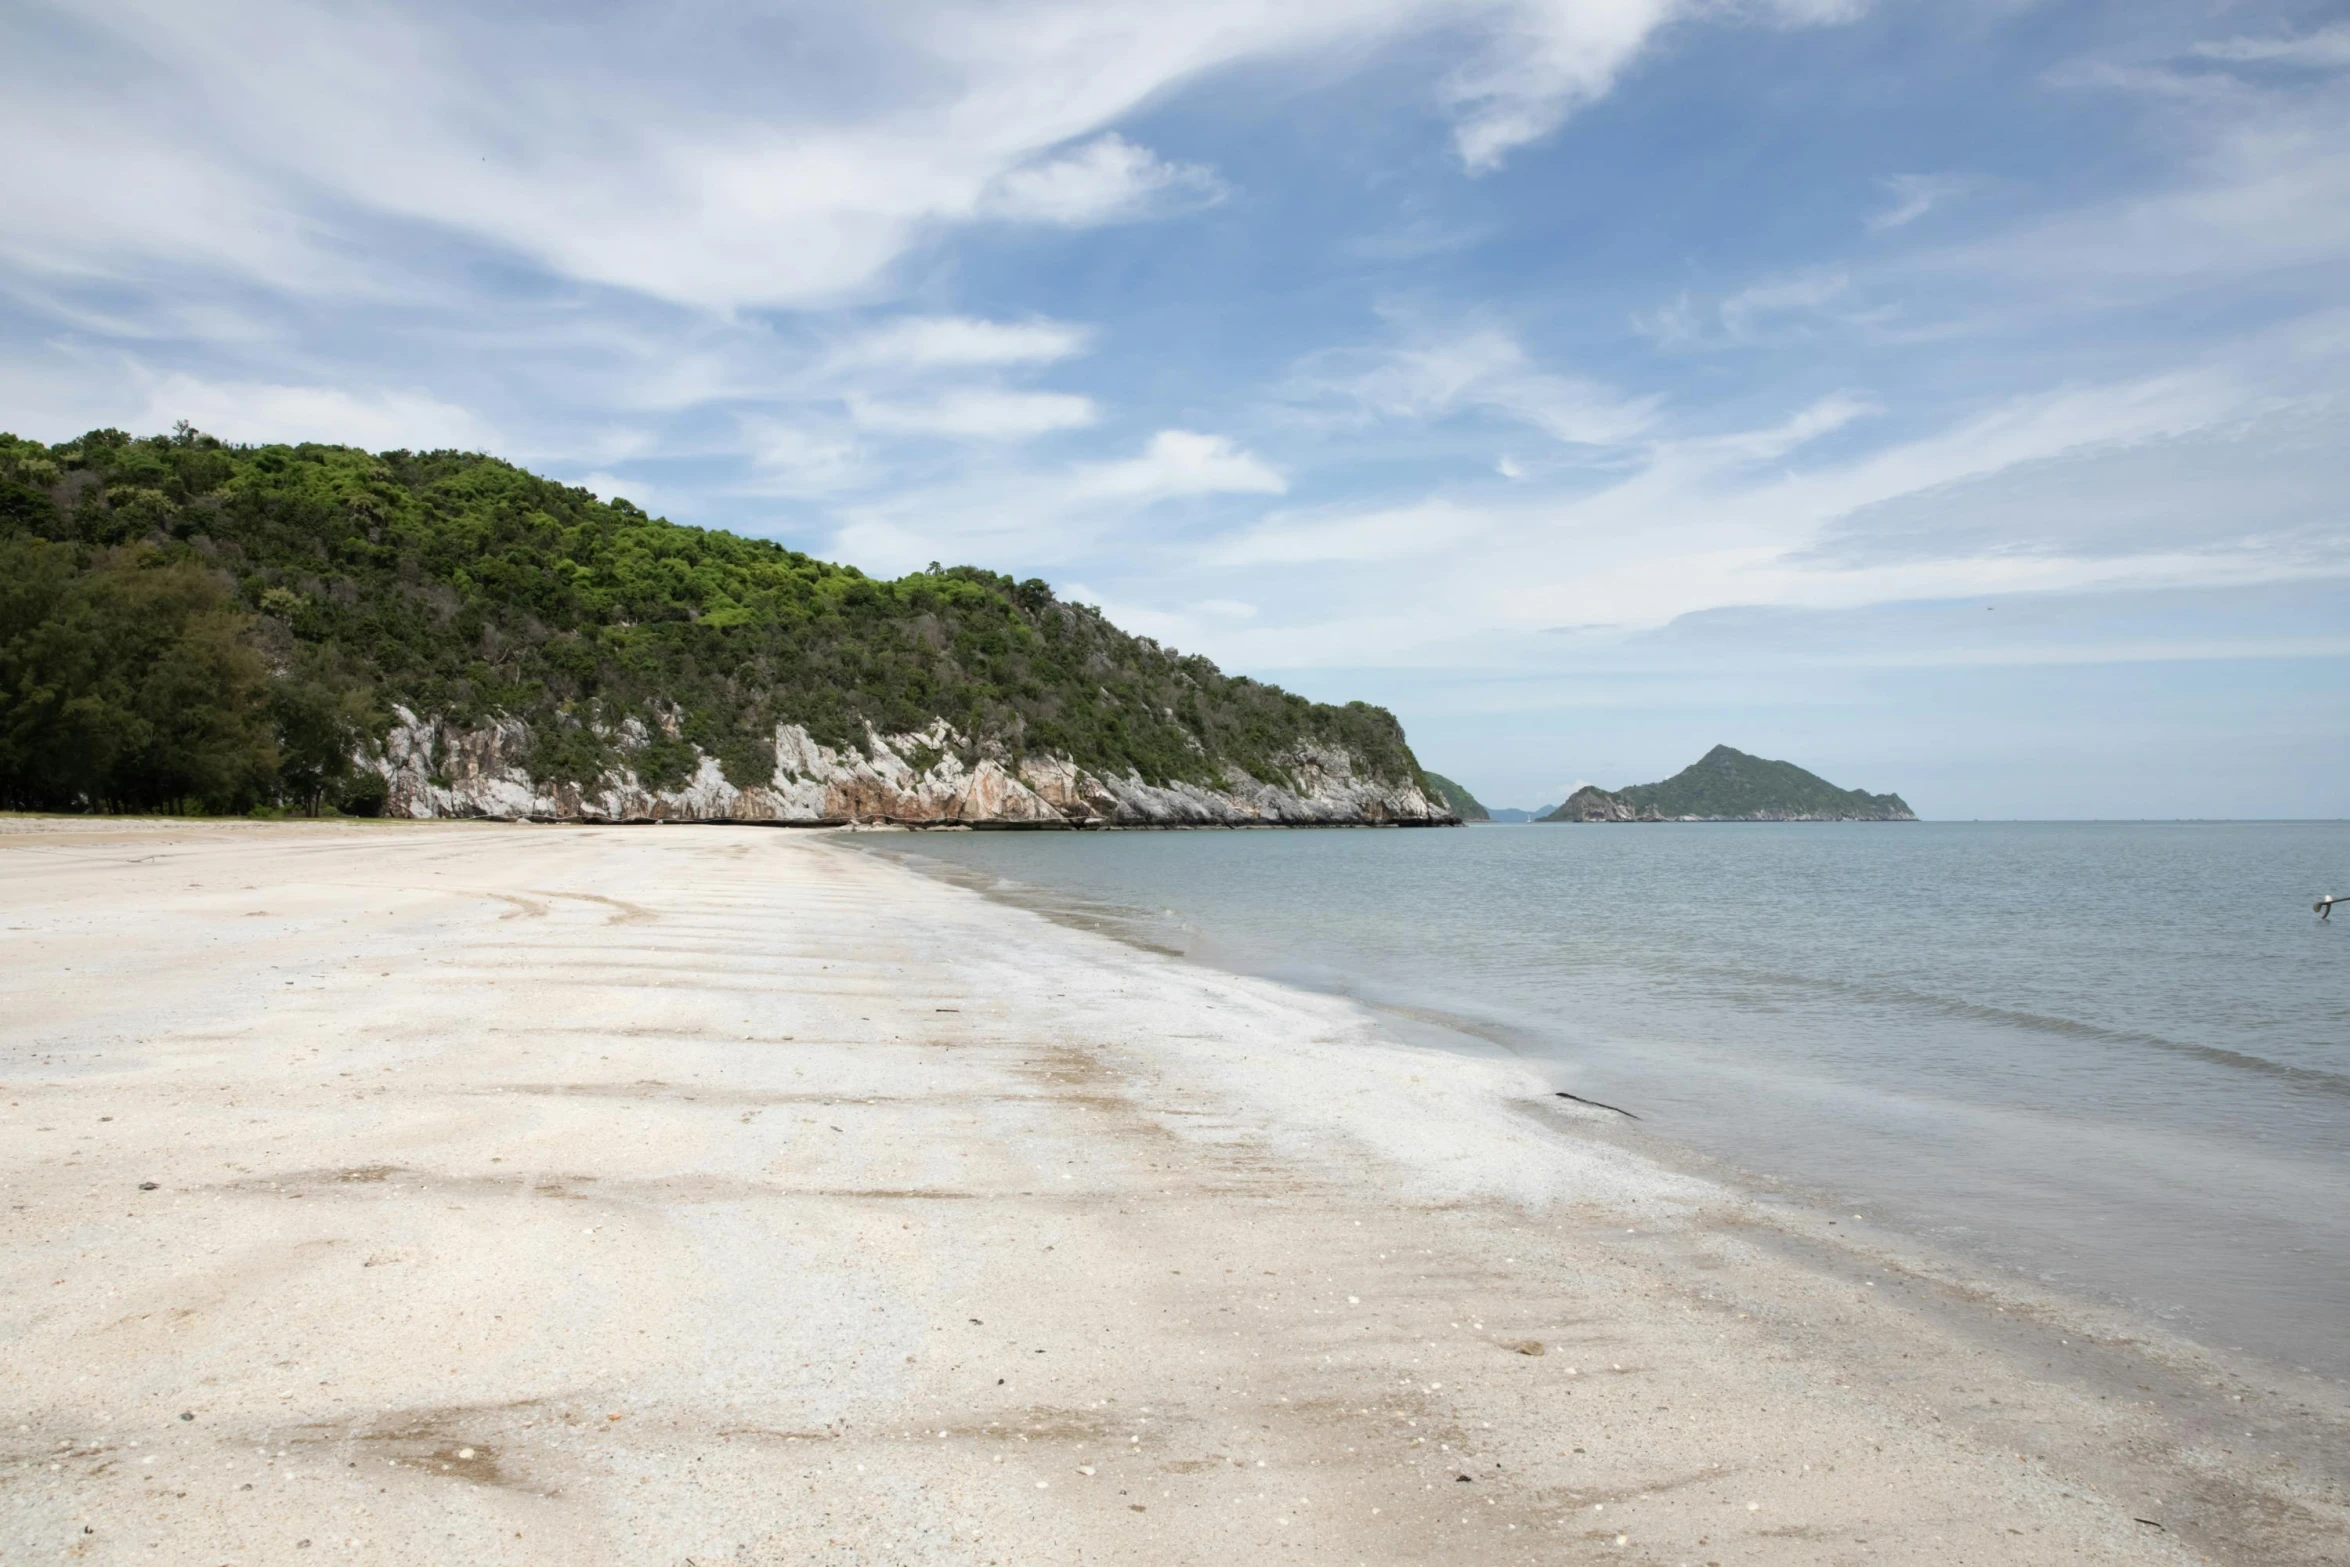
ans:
(932, 777)
(1589, 804)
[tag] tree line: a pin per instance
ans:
(132, 682)
(133, 678)
(187, 624)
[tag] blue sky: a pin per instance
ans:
(1950, 398)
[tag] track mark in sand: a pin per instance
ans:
(521, 906)
(626, 913)
(395, 1182)
(404, 1181)
(1585, 1496)
(1047, 1422)
(435, 1443)
(647, 1090)
(727, 1098)
(882, 1193)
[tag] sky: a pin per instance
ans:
(1950, 398)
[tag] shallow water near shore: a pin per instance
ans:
(2113, 1058)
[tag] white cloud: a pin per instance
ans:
(1714, 520)
(1048, 515)
(1107, 180)
(1175, 463)
(976, 412)
(2263, 189)
(2269, 479)
(610, 486)
(1740, 448)
(670, 161)
(251, 411)
(55, 390)
(1548, 58)
(1480, 369)
(962, 342)
(1767, 312)
(1673, 325)
(1759, 308)
(1432, 527)
(695, 162)
(1915, 195)
(1812, 13)
(792, 459)
(2326, 48)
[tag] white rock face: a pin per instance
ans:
(437, 769)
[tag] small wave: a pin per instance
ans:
(2314, 1079)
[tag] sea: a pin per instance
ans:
(2110, 1059)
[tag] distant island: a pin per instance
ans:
(187, 624)
(1468, 808)
(1729, 786)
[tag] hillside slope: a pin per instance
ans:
(1456, 799)
(1725, 786)
(184, 622)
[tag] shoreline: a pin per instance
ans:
(775, 1122)
(2099, 1342)
(1987, 1261)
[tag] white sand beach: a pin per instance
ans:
(432, 1193)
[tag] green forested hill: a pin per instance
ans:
(1462, 803)
(1728, 785)
(187, 622)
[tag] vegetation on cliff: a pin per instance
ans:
(1727, 785)
(1456, 799)
(185, 623)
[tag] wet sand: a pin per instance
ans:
(715, 1194)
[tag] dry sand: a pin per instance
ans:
(718, 1195)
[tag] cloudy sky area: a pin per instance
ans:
(1950, 398)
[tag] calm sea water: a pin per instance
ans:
(2114, 1057)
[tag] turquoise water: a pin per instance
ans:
(2112, 1057)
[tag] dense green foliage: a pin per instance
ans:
(127, 683)
(1456, 799)
(187, 622)
(1727, 785)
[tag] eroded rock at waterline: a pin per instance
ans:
(928, 777)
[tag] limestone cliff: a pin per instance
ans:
(930, 777)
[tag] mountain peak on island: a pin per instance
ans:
(1727, 785)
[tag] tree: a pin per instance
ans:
(129, 685)
(321, 712)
